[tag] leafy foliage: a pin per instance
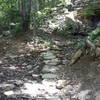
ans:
(41, 15)
(90, 11)
(91, 38)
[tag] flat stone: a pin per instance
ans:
(7, 86)
(24, 64)
(29, 66)
(18, 83)
(53, 98)
(61, 84)
(9, 93)
(84, 95)
(51, 69)
(51, 62)
(12, 67)
(36, 76)
(49, 76)
(49, 55)
(12, 56)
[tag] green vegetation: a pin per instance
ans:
(90, 11)
(19, 15)
(90, 39)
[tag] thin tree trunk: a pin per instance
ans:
(25, 9)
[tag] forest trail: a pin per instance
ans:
(39, 69)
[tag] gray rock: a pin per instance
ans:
(61, 84)
(29, 67)
(1, 74)
(51, 69)
(18, 83)
(24, 64)
(9, 93)
(49, 76)
(84, 95)
(12, 56)
(1, 62)
(68, 27)
(54, 98)
(97, 95)
(49, 56)
(52, 62)
(7, 86)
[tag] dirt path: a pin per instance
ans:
(39, 70)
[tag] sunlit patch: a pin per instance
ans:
(34, 89)
(12, 67)
(84, 95)
(9, 93)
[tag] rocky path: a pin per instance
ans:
(38, 70)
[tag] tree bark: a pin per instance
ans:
(25, 10)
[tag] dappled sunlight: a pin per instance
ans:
(35, 89)
(49, 50)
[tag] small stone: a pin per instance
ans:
(48, 68)
(9, 93)
(24, 64)
(36, 76)
(1, 74)
(54, 98)
(7, 86)
(12, 56)
(49, 76)
(29, 66)
(12, 67)
(61, 84)
(18, 83)
(1, 62)
(85, 95)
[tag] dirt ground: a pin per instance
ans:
(32, 69)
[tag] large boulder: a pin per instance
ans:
(67, 27)
(62, 24)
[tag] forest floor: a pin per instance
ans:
(38, 69)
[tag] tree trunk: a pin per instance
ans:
(25, 10)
